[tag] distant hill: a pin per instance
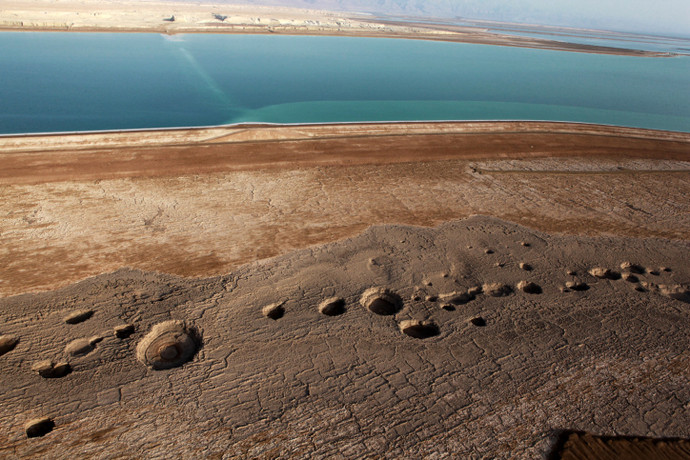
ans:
(419, 8)
(662, 17)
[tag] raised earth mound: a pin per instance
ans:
(439, 348)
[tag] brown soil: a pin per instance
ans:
(250, 368)
(466, 363)
(201, 202)
(34, 161)
(585, 446)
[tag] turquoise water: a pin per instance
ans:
(53, 82)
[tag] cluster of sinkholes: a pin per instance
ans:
(385, 302)
(378, 300)
(172, 343)
(382, 301)
(168, 344)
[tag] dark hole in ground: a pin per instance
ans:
(478, 321)
(422, 331)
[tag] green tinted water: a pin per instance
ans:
(77, 81)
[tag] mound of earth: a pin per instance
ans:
(420, 380)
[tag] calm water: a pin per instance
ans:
(77, 82)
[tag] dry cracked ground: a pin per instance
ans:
(496, 373)
(495, 336)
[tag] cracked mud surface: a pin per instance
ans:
(610, 360)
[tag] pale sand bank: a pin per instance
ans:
(130, 16)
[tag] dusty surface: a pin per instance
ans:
(485, 353)
(609, 360)
(585, 446)
(133, 16)
(203, 202)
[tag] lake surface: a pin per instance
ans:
(51, 82)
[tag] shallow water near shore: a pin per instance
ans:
(53, 82)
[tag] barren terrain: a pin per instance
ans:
(399, 290)
(489, 339)
(203, 202)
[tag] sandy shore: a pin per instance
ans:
(129, 16)
(203, 202)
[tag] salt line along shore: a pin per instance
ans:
(167, 152)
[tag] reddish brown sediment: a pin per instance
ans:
(201, 202)
(581, 446)
(30, 159)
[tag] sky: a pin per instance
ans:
(658, 17)
(664, 17)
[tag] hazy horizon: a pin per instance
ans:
(659, 17)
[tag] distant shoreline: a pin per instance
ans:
(128, 17)
(477, 39)
(567, 126)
